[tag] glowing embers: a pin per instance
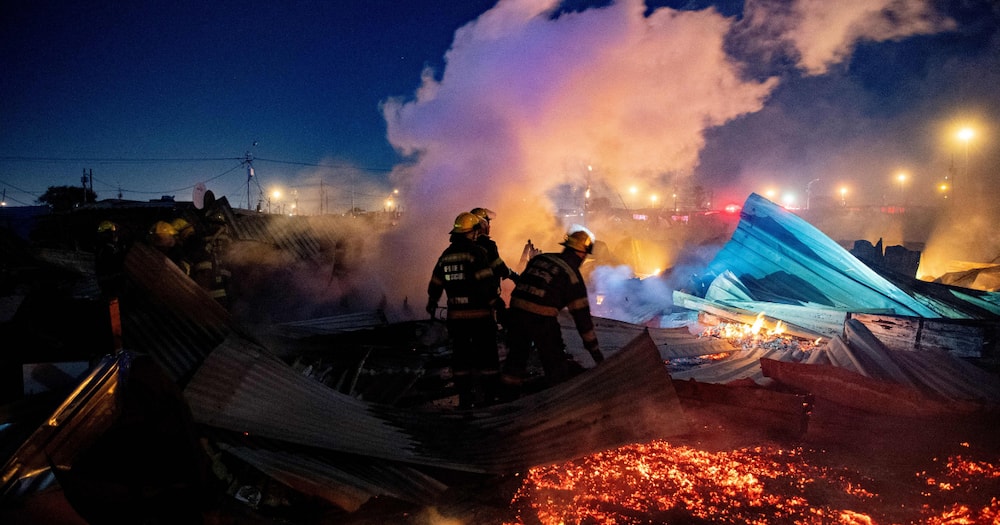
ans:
(659, 483)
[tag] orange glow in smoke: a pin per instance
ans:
(659, 483)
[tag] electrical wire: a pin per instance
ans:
(149, 160)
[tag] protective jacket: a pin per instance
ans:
(463, 272)
(551, 282)
(496, 263)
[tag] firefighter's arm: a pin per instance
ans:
(580, 310)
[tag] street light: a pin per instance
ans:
(809, 192)
(965, 135)
(276, 194)
(843, 196)
(901, 177)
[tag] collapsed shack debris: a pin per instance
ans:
(243, 387)
(881, 325)
(258, 413)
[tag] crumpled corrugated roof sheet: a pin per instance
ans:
(168, 315)
(629, 398)
(780, 257)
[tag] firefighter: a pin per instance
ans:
(163, 236)
(109, 259)
(463, 273)
(207, 256)
(549, 283)
(500, 269)
(109, 269)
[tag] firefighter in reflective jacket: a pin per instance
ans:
(549, 283)
(500, 269)
(463, 273)
(208, 270)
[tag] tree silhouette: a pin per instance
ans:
(62, 198)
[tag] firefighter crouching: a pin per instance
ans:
(549, 283)
(463, 273)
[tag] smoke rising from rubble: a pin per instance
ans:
(534, 101)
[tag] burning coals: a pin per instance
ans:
(659, 483)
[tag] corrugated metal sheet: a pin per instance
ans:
(167, 315)
(84, 415)
(332, 324)
(629, 398)
(343, 480)
(782, 258)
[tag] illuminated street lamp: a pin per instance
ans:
(652, 199)
(965, 135)
(901, 177)
(843, 196)
(276, 194)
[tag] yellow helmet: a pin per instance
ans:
(107, 227)
(180, 224)
(579, 240)
(162, 234)
(182, 227)
(465, 223)
(484, 214)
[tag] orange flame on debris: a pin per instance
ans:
(759, 334)
(659, 483)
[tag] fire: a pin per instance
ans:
(659, 483)
(758, 334)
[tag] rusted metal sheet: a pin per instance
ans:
(864, 393)
(760, 409)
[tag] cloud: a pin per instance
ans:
(819, 34)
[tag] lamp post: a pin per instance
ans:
(843, 196)
(276, 194)
(809, 192)
(901, 177)
(965, 135)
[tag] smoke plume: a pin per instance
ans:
(536, 103)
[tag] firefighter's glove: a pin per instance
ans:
(501, 313)
(597, 355)
(431, 309)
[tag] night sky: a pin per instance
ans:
(516, 105)
(157, 96)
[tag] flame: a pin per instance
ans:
(758, 334)
(659, 483)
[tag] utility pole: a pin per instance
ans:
(248, 160)
(322, 196)
(83, 180)
(809, 192)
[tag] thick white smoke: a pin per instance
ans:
(531, 97)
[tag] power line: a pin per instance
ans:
(310, 164)
(113, 159)
(140, 160)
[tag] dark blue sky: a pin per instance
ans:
(157, 96)
(205, 80)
